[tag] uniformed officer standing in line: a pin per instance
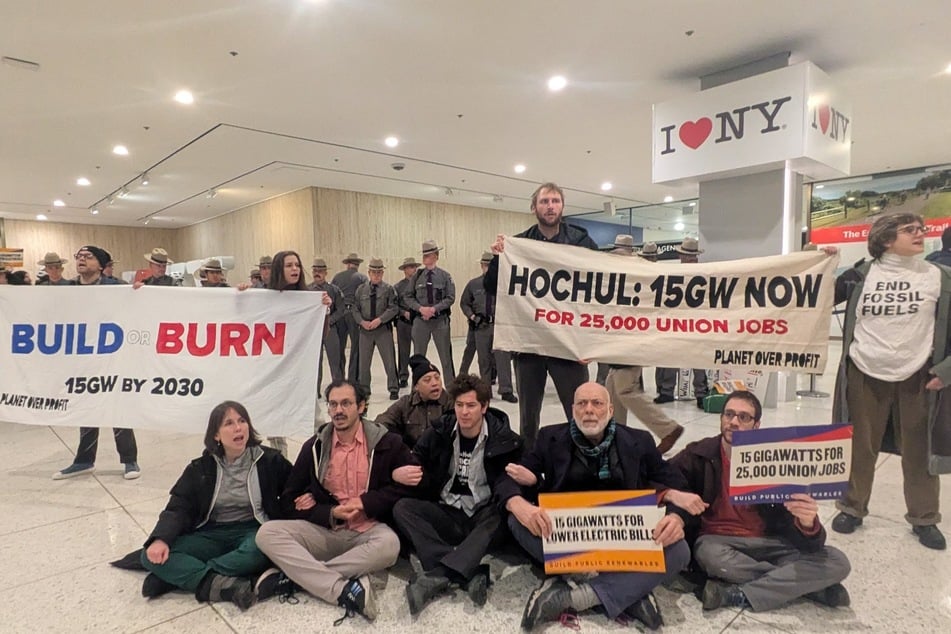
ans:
(331, 339)
(348, 281)
(404, 321)
(374, 309)
(431, 296)
(158, 263)
(532, 370)
(214, 275)
(264, 272)
(479, 308)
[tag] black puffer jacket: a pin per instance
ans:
(193, 495)
(567, 234)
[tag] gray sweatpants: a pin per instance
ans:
(769, 571)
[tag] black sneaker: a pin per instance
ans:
(273, 582)
(700, 402)
(404, 383)
(845, 523)
(930, 537)
(663, 398)
(546, 603)
(647, 612)
(478, 586)
(508, 397)
(423, 589)
(394, 395)
(717, 594)
(835, 596)
(153, 586)
(357, 598)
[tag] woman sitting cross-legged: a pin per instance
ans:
(204, 539)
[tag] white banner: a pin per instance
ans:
(573, 303)
(158, 358)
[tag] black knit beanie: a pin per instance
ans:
(421, 367)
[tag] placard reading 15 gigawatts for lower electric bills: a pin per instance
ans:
(769, 465)
(601, 531)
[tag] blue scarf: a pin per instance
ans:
(601, 451)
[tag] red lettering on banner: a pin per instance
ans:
(859, 233)
(231, 339)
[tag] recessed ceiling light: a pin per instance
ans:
(668, 199)
(679, 226)
(693, 204)
(391, 141)
(606, 186)
(94, 211)
(184, 97)
(519, 168)
(820, 186)
(82, 181)
(41, 216)
(121, 150)
(58, 203)
(556, 83)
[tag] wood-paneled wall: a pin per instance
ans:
(127, 245)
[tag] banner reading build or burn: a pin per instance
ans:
(573, 303)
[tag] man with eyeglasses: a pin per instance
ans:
(338, 496)
(894, 366)
(760, 556)
(90, 262)
(592, 453)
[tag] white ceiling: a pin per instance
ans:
(316, 86)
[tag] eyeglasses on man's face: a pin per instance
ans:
(729, 414)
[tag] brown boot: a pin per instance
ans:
(667, 442)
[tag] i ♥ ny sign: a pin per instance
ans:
(792, 114)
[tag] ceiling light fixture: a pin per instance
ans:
(111, 200)
(145, 179)
(147, 221)
(449, 191)
(41, 216)
(58, 203)
(211, 193)
(820, 186)
(557, 83)
(948, 69)
(679, 226)
(391, 141)
(82, 181)
(693, 204)
(668, 199)
(121, 150)
(123, 192)
(94, 211)
(184, 97)
(519, 169)
(497, 199)
(606, 186)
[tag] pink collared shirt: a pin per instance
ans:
(348, 474)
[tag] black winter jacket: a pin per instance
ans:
(192, 496)
(434, 451)
(702, 466)
(567, 234)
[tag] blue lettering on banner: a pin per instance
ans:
(66, 339)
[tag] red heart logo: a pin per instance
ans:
(694, 133)
(824, 113)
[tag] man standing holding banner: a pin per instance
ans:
(532, 370)
(590, 453)
(761, 556)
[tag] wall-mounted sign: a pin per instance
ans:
(753, 125)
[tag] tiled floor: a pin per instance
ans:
(58, 537)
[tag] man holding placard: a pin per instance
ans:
(591, 453)
(760, 556)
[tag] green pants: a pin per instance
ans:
(227, 549)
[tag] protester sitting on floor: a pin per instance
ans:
(414, 413)
(760, 556)
(203, 541)
(589, 453)
(456, 520)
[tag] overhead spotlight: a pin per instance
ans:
(147, 221)
(693, 204)
(448, 191)
(58, 203)
(184, 97)
(679, 226)
(211, 193)
(519, 169)
(94, 211)
(41, 217)
(123, 192)
(82, 181)
(497, 199)
(556, 83)
(668, 199)
(121, 150)
(391, 141)
(820, 186)
(111, 200)
(606, 186)
(145, 179)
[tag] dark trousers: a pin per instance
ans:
(349, 330)
(331, 346)
(469, 353)
(443, 534)
(89, 445)
(617, 590)
(531, 374)
(666, 380)
(404, 348)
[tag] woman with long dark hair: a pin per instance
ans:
(203, 541)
